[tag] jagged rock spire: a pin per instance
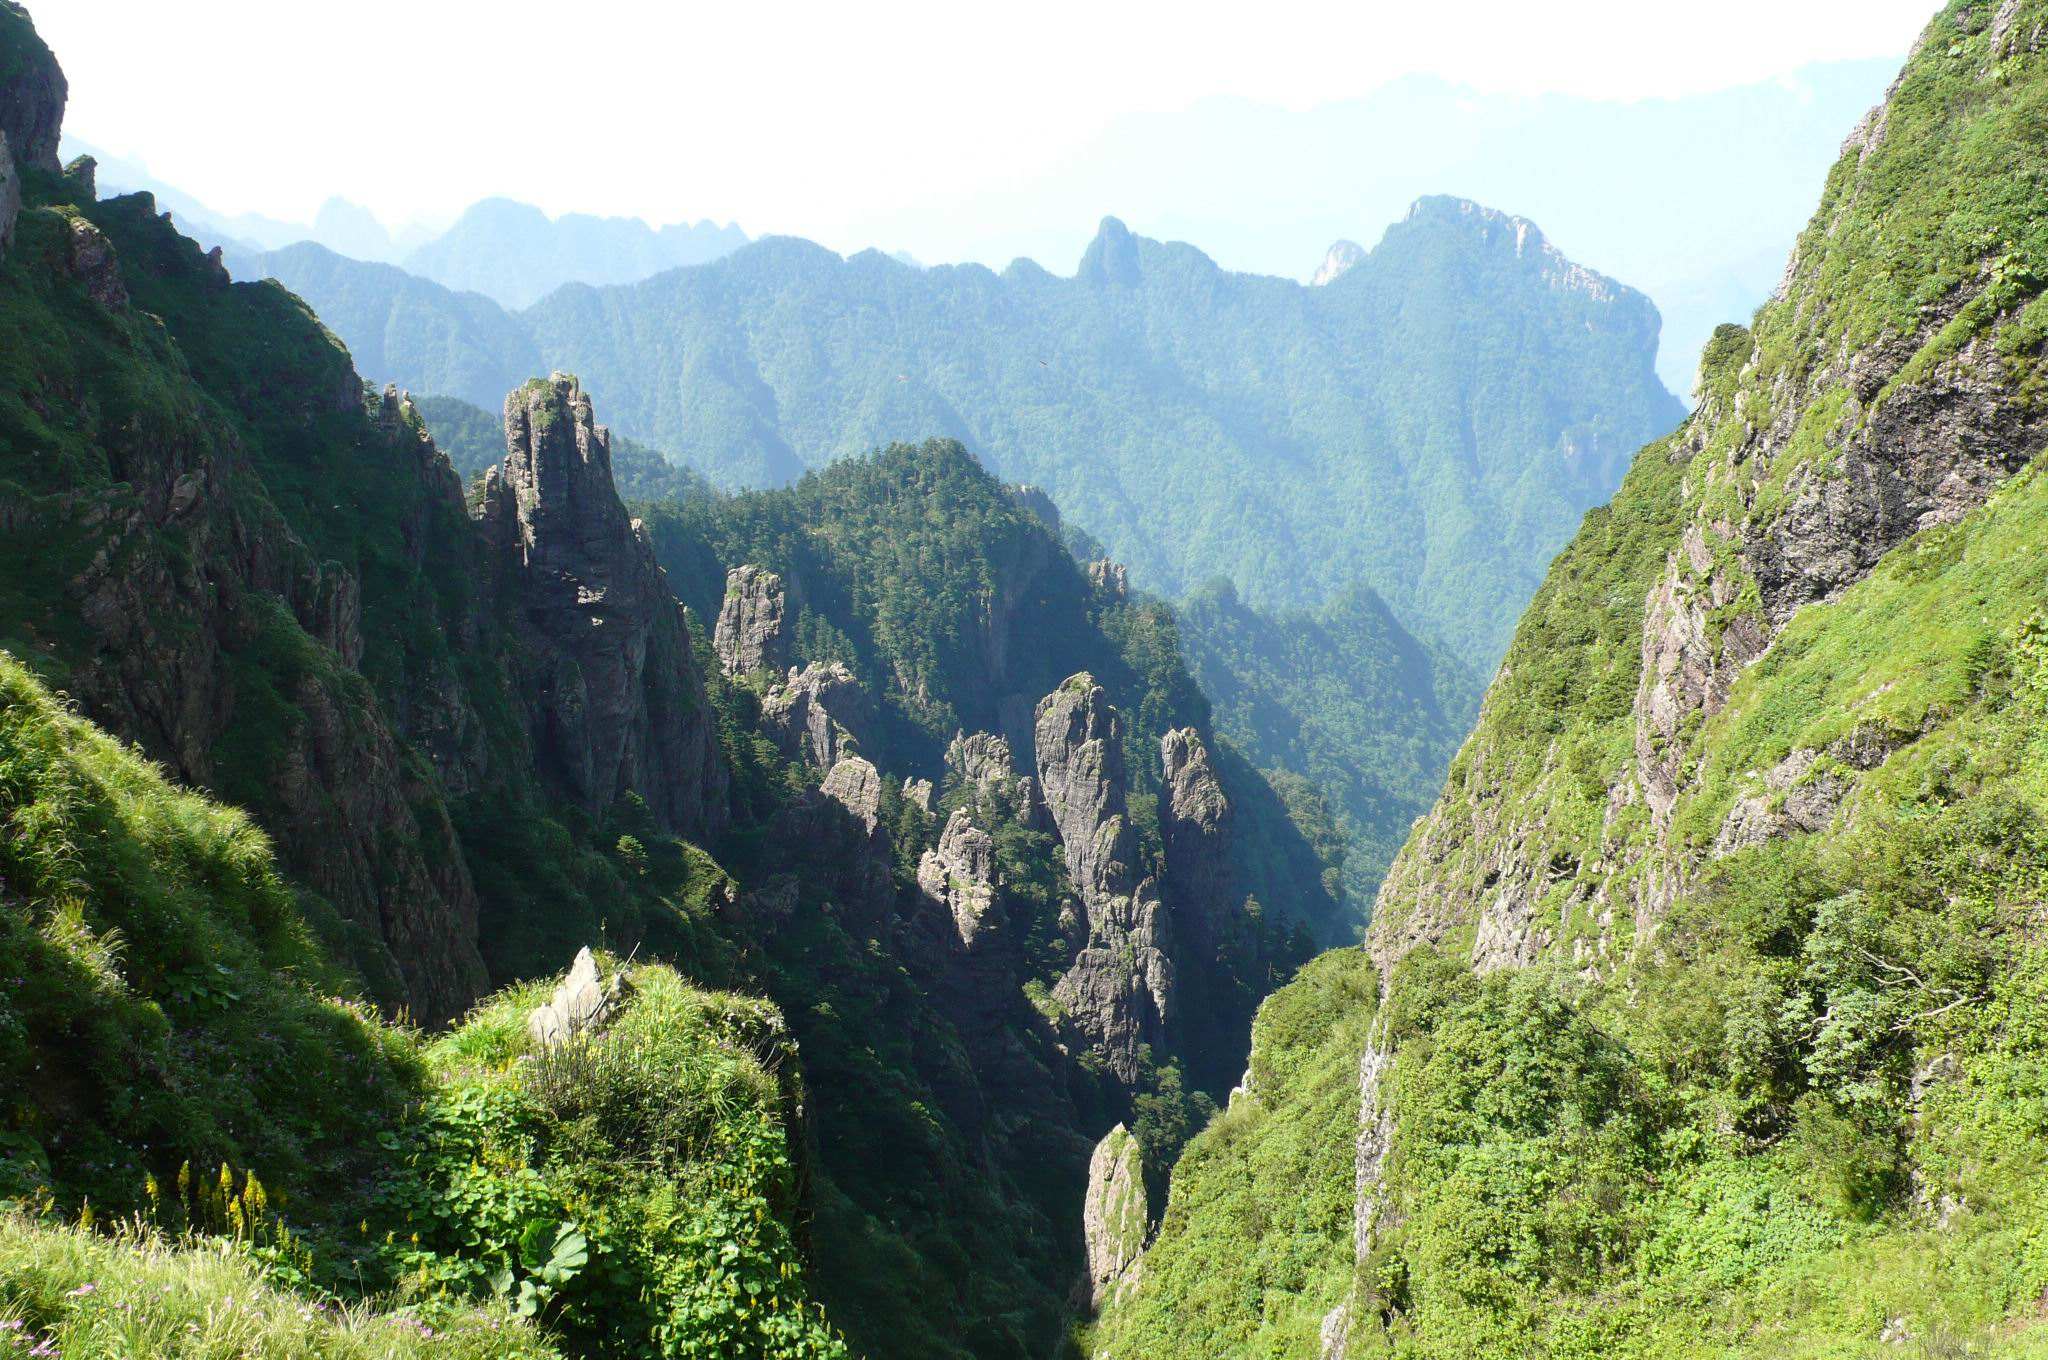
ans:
(614, 700)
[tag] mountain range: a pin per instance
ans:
(1442, 413)
(471, 886)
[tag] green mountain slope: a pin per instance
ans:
(1442, 414)
(1343, 698)
(481, 733)
(1711, 992)
(515, 254)
(173, 1049)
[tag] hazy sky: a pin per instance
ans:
(836, 121)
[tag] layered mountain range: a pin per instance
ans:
(451, 910)
(1430, 425)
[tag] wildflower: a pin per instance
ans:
(87, 1288)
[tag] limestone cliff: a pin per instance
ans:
(33, 92)
(1115, 1217)
(613, 699)
(819, 714)
(1119, 989)
(752, 633)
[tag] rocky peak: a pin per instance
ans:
(1341, 258)
(820, 714)
(959, 875)
(84, 173)
(1195, 819)
(856, 785)
(751, 635)
(1112, 257)
(1081, 777)
(614, 700)
(981, 761)
(1119, 989)
(1109, 578)
(1115, 1217)
(33, 93)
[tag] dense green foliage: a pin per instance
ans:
(1344, 698)
(1431, 425)
(171, 1018)
(1254, 1246)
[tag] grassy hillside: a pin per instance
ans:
(176, 1050)
(1714, 983)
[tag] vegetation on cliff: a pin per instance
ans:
(1714, 982)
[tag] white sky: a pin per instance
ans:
(815, 119)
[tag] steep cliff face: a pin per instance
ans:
(614, 700)
(154, 573)
(33, 91)
(1196, 823)
(1708, 978)
(1119, 990)
(1884, 392)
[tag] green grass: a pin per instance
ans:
(72, 1293)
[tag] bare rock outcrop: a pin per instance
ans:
(92, 262)
(751, 633)
(33, 95)
(1195, 824)
(583, 1004)
(981, 761)
(959, 876)
(856, 785)
(1341, 258)
(1118, 991)
(613, 699)
(1110, 578)
(820, 714)
(1115, 1218)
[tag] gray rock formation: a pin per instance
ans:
(1195, 823)
(1341, 258)
(614, 700)
(819, 714)
(751, 632)
(856, 785)
(32, 96)
(981, 761)
(10, 196)
(84, 174)
(1110, 578)
(583, 1004)
(92, 262)
(1115, 1218)
(1119, 990)
(919, 793)
(959, 875)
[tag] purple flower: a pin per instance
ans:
(87, 1288)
